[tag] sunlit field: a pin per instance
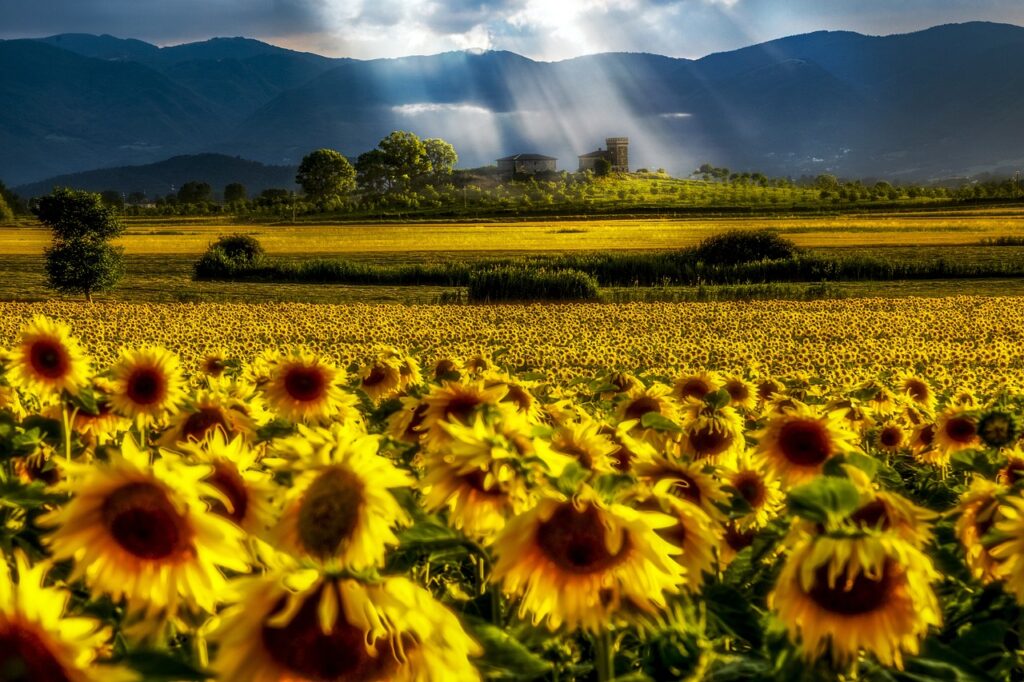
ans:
(801, 491)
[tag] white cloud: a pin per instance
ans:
(675, 115)
(439, 108)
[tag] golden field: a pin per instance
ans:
(292, 492)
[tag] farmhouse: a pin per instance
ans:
(617, 154)
(526, 164)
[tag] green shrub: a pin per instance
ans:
(229, 256)
(744, 246)
(519, 283)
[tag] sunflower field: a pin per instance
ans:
(288, 493)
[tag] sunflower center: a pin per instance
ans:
(305, 650)
(918, 390)
(685, 487)
(49, 359)
(750, 487)
(710, 440)
(874, 514)
(737, 539)
(376, 376)
(477, 480)
(694, 388)
(226, 479)
(805, 442)
(144, 522)
(24, 657)
(305, 384)
(518, 395)
(460, 408)
(146, 386)
(961, 429)
(214, 366)
(890, 437)
(852, 598)
(641, 406)
(199, 423)
(1013, 471)
(738, 391)
(445, 368)
(927, 435)
(997, 429)
(575, 540)
(330, 511)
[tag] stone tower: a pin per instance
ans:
(618, 153)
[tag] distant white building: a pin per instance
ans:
(617, 155)
(526, 164)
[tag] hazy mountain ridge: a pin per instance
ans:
(935, 103)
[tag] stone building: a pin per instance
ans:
(526, 164)
(617, 154)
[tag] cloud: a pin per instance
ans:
(436, 108)
(542, 29)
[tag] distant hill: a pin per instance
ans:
(160, 179)
(933, 104)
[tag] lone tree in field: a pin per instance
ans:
(80, 261)
(6, 214)
(325, 174)
(235, 192)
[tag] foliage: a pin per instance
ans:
(195, 192)
(512, 283)
(6, 214)
(325, 174)
(744, 246)
(73, 215)
(235, 192)
(228, 255)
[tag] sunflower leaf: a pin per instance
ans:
(825, 498)
(658, 422)
(157, 666)
(505, 657)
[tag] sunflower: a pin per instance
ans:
(339, 510)
(758, 488)
(888, 511)
(891, 437)
(696, 385)
(455, 402)
(242, 491)
(1013, 471)
(712, 434)
(956, 429)
(47, 360)
(585, 442)
(214, 363)
(147, 384)
(691, 481)
(446, 369)
(796, 443)
(302, 388)
(143, 532)
(305, 626)
(517, 395)
(917, 389)
(381, 378)
(577, 562)
(38, 641)
(742, 393)
(483, 476)
(630, 452)
(694, 532)
(1010, 549)
(980, 509)
(639, 401)
(852, 594)
(206, 412)
(94, 429)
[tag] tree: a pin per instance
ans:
(137, 197)
(6, 214)
(112, 198)
(80, 260)
(325, 174)
(602, 167)
(371, 172)
(235, 192)
(441, 155)
(195, 192)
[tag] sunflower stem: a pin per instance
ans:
(604, 652)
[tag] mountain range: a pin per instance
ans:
(933, 104)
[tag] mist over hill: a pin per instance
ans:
(933, 104)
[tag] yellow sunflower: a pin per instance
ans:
(742, 393)
(980, 509)
(303, 388)
(696, 385)
(147, 385)
(483, 476)
(711, 434)
(694, 532)
(339, 510)
(692, 481)
(956, 429)
(38, 642)
(853, 594)
(1009, 551)
(206, 412)
(1013, 471)
(577, 562)
(404, 424)
(758, 487)
(796, 442)
(917, 389)
(639, 401)
(585, 442)
(891, 437)
(455, 402)
(517, 395)
(888, 511)
(305, 627)
(380, 378)
(47, 360)
(142, 532)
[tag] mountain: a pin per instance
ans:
(159, 179)
(937, 103)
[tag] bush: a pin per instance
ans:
(518, 283)
(744, 246)
(228, 256)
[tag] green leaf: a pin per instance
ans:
(654, 420)
(718, 399)
(161, 666)
(824, 498)
(569, 482)
(505, 657)
(85, 401)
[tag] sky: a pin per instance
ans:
(539, 29)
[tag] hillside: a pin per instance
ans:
(906, 106)
(159, 179)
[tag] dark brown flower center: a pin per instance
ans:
(738, 391)
(518, 395)
(376, 376)
(308, 653)
(575, 540)
(750, 486)
(214, 366)
(961, 429)
(638, 407)
(25, 657)
(329, 511)
(146, 386)
(737, 539)
(205, 420)
(444, 369)
(927, 435)
(1013, 471)
(891, 437)
(805, 442)
(862, 594)
(766, 389)
(694, 388)
(477, 481)
(49, 359)
(918, 390)
(226, 479)
(710, 440)
(874, 514)
(305, 384)
(461, 407)
(142, 520)
(685, 487)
